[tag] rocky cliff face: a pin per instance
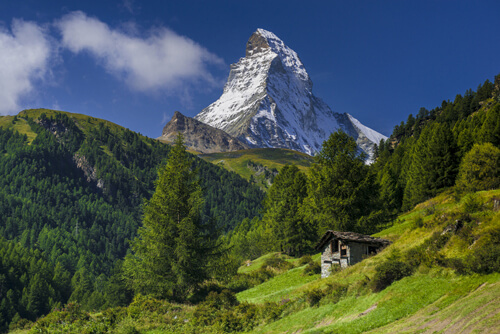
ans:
(200, 137)
(268, 102)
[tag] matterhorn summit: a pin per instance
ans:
(268, 102)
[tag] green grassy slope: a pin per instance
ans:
(250, 163)
(434, 298)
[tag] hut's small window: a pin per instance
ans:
(334, 246)
(343, 250)
(372, 250)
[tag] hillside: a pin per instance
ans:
(259, 165)
(71, 190)
(446, 288)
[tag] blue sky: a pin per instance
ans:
(135, 63)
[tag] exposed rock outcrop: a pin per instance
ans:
(200, 137)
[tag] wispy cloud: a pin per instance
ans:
(160, 60)
(25, 51)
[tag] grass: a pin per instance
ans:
(20, 125)
(432, 300)
(402, 307)
(280, 287)
(239, 161)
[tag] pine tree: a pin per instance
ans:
(292, 234)
(170, 253)
(340, 189)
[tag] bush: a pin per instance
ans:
(277, 262)
(305, 260)
(313, 268)
(419, 222)
(471, 203)
(204, 290)
(486, 258)
(388, 272)
(314, 296)
(225, 299)
(245, 281)
(335, 291)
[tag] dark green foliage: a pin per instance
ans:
(388, 272)
(314, 296)
(171, 252)
(471, 203)
(422, 157)
(341, 189)
(29, 285)
(480, 169)
(305, 260)
(291, 233)
(433, 165)
(242, 282)
(486, 257)
(224, 299)
(277, 262)
(312, 268)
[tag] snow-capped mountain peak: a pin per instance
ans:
(268, 102)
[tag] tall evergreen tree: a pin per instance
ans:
(292, 234)
(341, 189)
(170, 253)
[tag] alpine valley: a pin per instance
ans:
(268, 102)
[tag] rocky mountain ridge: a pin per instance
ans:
(199, 136)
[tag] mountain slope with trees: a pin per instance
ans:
(72, 189)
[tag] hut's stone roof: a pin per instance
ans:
(351, 236)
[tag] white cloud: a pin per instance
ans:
(161, 60)
(25, 51)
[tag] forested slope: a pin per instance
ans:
(72, 187)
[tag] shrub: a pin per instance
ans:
(313, 297)
(471, 203)
(428, 252)
(276, 262)
(305, 260)
(486, 258)
(335, 291)
(313, 268)
(203, 291)
(248, 315)
(245, 281)
(419, 222)
(225, 299)
(388, 272)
